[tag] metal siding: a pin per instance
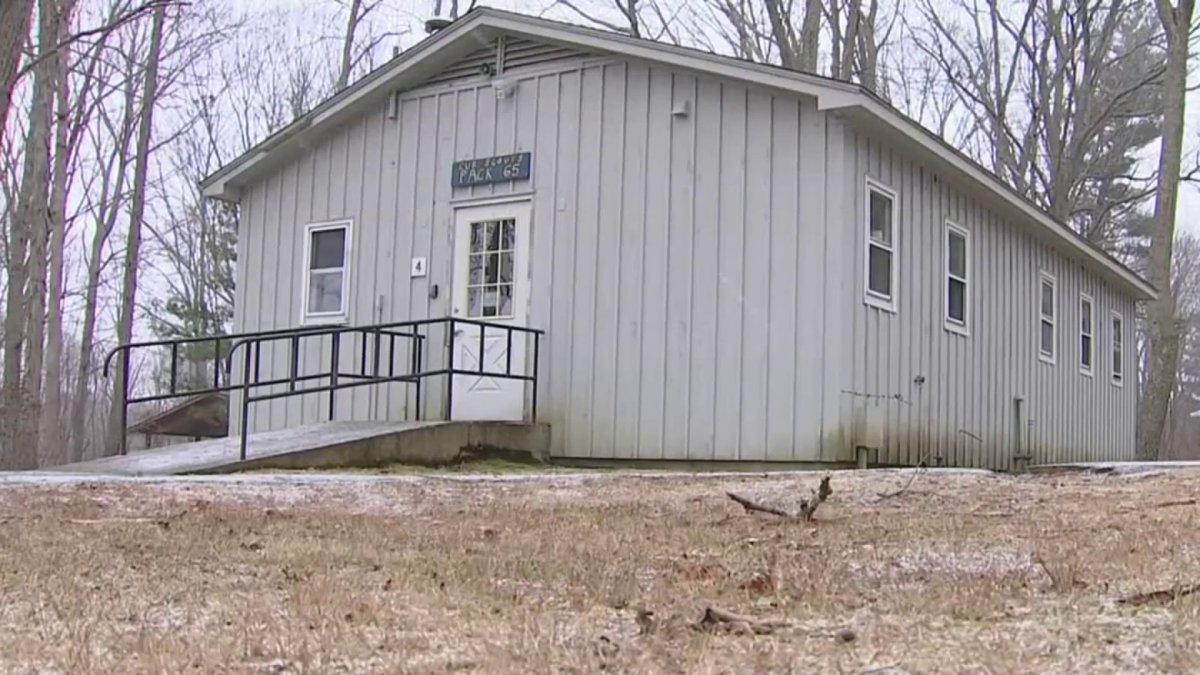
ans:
(963, 413)
(669, 253)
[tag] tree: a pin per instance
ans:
(15, 16)
(24, 311)
(1163, 328)
(1062, 98)
(133, 240)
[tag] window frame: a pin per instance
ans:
(342, 314)
(1116, 346)
(951, 324)
(1043, 279)
(1089, 369)
(873, 298)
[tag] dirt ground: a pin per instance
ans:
(962, 572)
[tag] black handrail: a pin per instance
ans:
(415, 331)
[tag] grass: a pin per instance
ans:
(960, 573)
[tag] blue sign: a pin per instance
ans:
(491, 170)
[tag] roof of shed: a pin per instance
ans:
(481, 25)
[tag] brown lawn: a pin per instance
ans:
(962, 572)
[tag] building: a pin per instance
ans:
(730, 261)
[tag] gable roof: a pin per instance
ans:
(482, 25)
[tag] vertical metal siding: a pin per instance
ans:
(963, 414)
(676, 259)
(691, 273)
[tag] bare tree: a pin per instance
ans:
(68, 123)
(1062, 97)
(1162, 320)
(25, 302)
(15, 16)
(149, 96)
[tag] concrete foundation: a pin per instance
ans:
(332, 445)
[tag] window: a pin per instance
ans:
(957, 271)
(490, 285)
(881, 246)
(1048, 309)
(1118, 349)
(1086, 331)
(327, 252)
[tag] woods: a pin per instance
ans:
(113, 110)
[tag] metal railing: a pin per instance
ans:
(371, 352)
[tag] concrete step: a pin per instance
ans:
(328, 445)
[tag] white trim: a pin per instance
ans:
(953, 325)
(1088, 370)
(491, 200)
(1043, 278)
(308, 318)
(873, 298)
(1117, 379)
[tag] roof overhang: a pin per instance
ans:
(480, 26)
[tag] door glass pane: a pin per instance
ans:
(506, 267)
(505, 300)
(478, 236)
(509, 235)
(328, 249)
(476, 269)
(474, 302)
(489, 301)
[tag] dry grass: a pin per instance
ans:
(961, 573)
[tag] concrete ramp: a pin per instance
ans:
(328, 445)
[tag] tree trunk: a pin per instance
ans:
(133, 242)
(810, 36)
(1162, 324)
(348, 46)
(14, 28)
(112, 186)
(781, 35)
(50, 436)
(25, 308)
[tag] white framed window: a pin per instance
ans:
(326, 281)
(880, 253)
(1048, 318)
(490, 277)
(1087, 332)
(1117, 338)
(958, 273)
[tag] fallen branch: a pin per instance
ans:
(916, 473)
(716, 619)
(807, 506)
(754, 506)
(1177, 502)
(1162, 597)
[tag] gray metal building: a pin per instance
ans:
(730, 261)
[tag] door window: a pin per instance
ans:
(490, 283)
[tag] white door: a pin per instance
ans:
(491, 283)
